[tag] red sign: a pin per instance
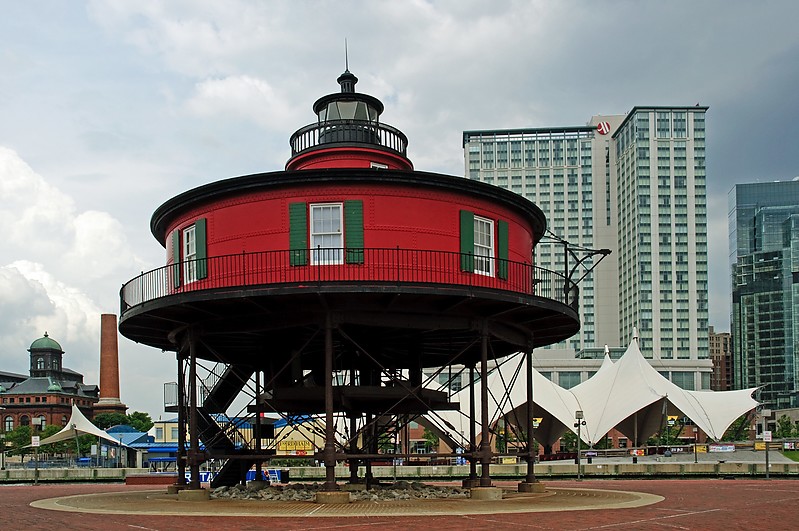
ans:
(603, 128)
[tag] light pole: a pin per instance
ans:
(37, 422)
(3, 443)
(696, 435)
(579, 424)
(766, 434)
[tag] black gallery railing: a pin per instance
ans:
(286, 268)
(348, 132)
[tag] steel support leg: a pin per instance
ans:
(194, 439)
(330, 444)
(181, 453)
(485, 445)
(530, 477)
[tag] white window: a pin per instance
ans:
(327, 235)
(483, 246)
(189, 255)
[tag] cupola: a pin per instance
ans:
(348, 134)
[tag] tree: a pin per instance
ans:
(17, 439)
(738, 428)
(568, 442)
(106, 420)
(140, 420)
(784, 427)
(431, 440)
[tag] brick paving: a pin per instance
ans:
(688, 504)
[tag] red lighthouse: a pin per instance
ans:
(326, 288)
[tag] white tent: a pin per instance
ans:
(78, 424)
(635, 398)
(628, 395)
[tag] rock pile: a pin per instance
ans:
(399, 490)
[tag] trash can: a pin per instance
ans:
(635, 459)
(590, 460)
(284, 475)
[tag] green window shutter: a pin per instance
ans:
(176, 251)
(201, 241)
(502, 249)
(467, 241)
(298, 234)
(353, 231)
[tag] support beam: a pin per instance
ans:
(257, 430)
(530, 477)
(485, 445)
(472, 430)
(330, 433)
(194, 439)
(181, 453)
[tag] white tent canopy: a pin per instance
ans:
(78, 424)
(628, 395)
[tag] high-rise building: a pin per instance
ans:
(634, 184)
(721, 356)
(764, 256)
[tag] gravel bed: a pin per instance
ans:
(399, 490)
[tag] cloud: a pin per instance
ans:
(33, 212)
(32, 302)
(243, 98)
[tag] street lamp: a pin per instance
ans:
(696, 435)
(36, 421)
(579, 424)
(3, 443)
(766, 434)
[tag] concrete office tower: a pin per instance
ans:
(109, 368)
(563, 170)
(634, 184)
(764, 253)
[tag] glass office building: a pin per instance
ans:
(764, 257)
(634, 184)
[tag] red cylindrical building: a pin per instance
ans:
(348, 263)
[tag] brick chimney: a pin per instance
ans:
(109, 367)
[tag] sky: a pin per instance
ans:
(109, 108)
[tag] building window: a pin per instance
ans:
(189, 246)
(40, 363)
(482, 251)
(336, 233)
(42, 421)
(159, 434)
(568, 379)
(484, 246)
(189, 254)
(174, 434)
(64, 420)
(327, 234)
(24, 420)
(683, 379)
(8, 423)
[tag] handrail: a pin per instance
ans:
(348, 132)
(362, 265)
